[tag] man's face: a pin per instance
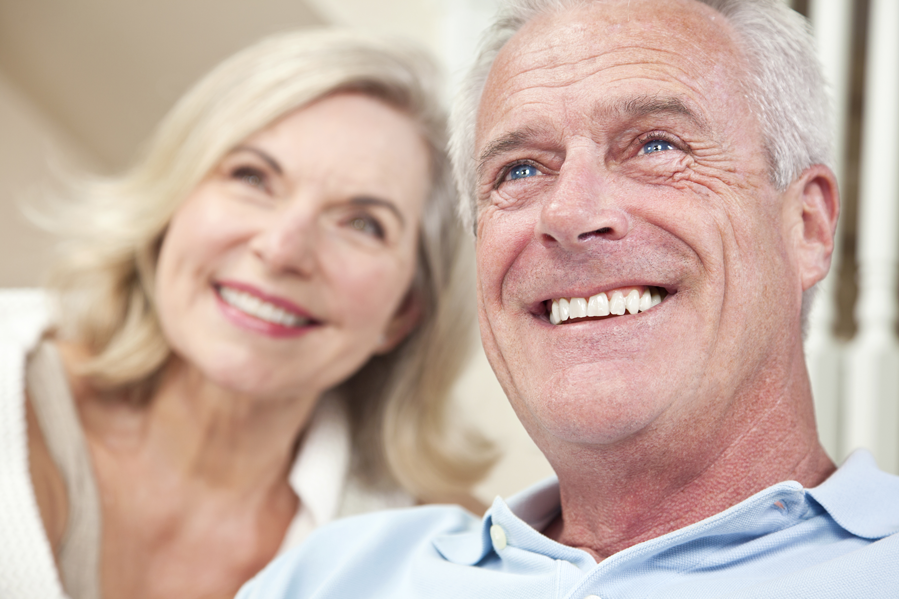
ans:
(618, 153)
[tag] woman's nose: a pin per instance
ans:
(287, 242)
(582, 208)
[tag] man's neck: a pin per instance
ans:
(657, 482)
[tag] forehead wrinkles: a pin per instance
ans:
(681, 40)
(692, 59)
(542, 69)
(593, 88)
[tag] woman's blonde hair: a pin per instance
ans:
(113, 228)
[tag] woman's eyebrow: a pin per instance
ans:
(372, 201)
(266, 157)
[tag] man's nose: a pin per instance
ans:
(287, 241)
(582, 208)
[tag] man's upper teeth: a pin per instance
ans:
(603, 305)
(252, 305)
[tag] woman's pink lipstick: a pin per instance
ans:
(284, 318)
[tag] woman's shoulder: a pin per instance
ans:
(26, 560)
(24, 318)
(46, 480)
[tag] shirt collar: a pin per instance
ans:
(320, 469)
(861, 498)
(521, 519)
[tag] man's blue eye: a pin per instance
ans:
(656, 145)
(521, 171)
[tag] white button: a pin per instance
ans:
(498, 535)
(592, 597)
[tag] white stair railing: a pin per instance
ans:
(832, 25)
(871, 402)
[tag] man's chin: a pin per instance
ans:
(581, 409)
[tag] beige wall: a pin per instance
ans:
(30, 145)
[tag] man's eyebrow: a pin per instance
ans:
(519, 138)
(642, 106)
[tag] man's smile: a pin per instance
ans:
(627, 300)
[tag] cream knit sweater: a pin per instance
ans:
(27, 569)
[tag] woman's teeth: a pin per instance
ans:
(604, 305)
(252, 305)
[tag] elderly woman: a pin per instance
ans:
(252, 332)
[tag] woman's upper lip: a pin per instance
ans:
(276, 300)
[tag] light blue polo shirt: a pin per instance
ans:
(837, 540)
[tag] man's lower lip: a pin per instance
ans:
(592, 319)
(251, 323)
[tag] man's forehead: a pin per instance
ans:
(604, 20)
(672, 40)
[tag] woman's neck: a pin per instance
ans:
(199, 431)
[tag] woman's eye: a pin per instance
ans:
(656, 145)
(367, 225)
(250, 176)
(522, 171)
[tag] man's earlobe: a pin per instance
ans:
(817, 198)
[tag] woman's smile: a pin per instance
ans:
(249, 307)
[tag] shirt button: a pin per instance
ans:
(498, 536)
(592, 597)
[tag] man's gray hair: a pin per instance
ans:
(785, 87)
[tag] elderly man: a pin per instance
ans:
(651, 195)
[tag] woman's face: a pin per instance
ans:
(289, 266)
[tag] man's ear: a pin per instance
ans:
(813, 205)
(407, 317)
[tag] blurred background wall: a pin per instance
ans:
(83, 82)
